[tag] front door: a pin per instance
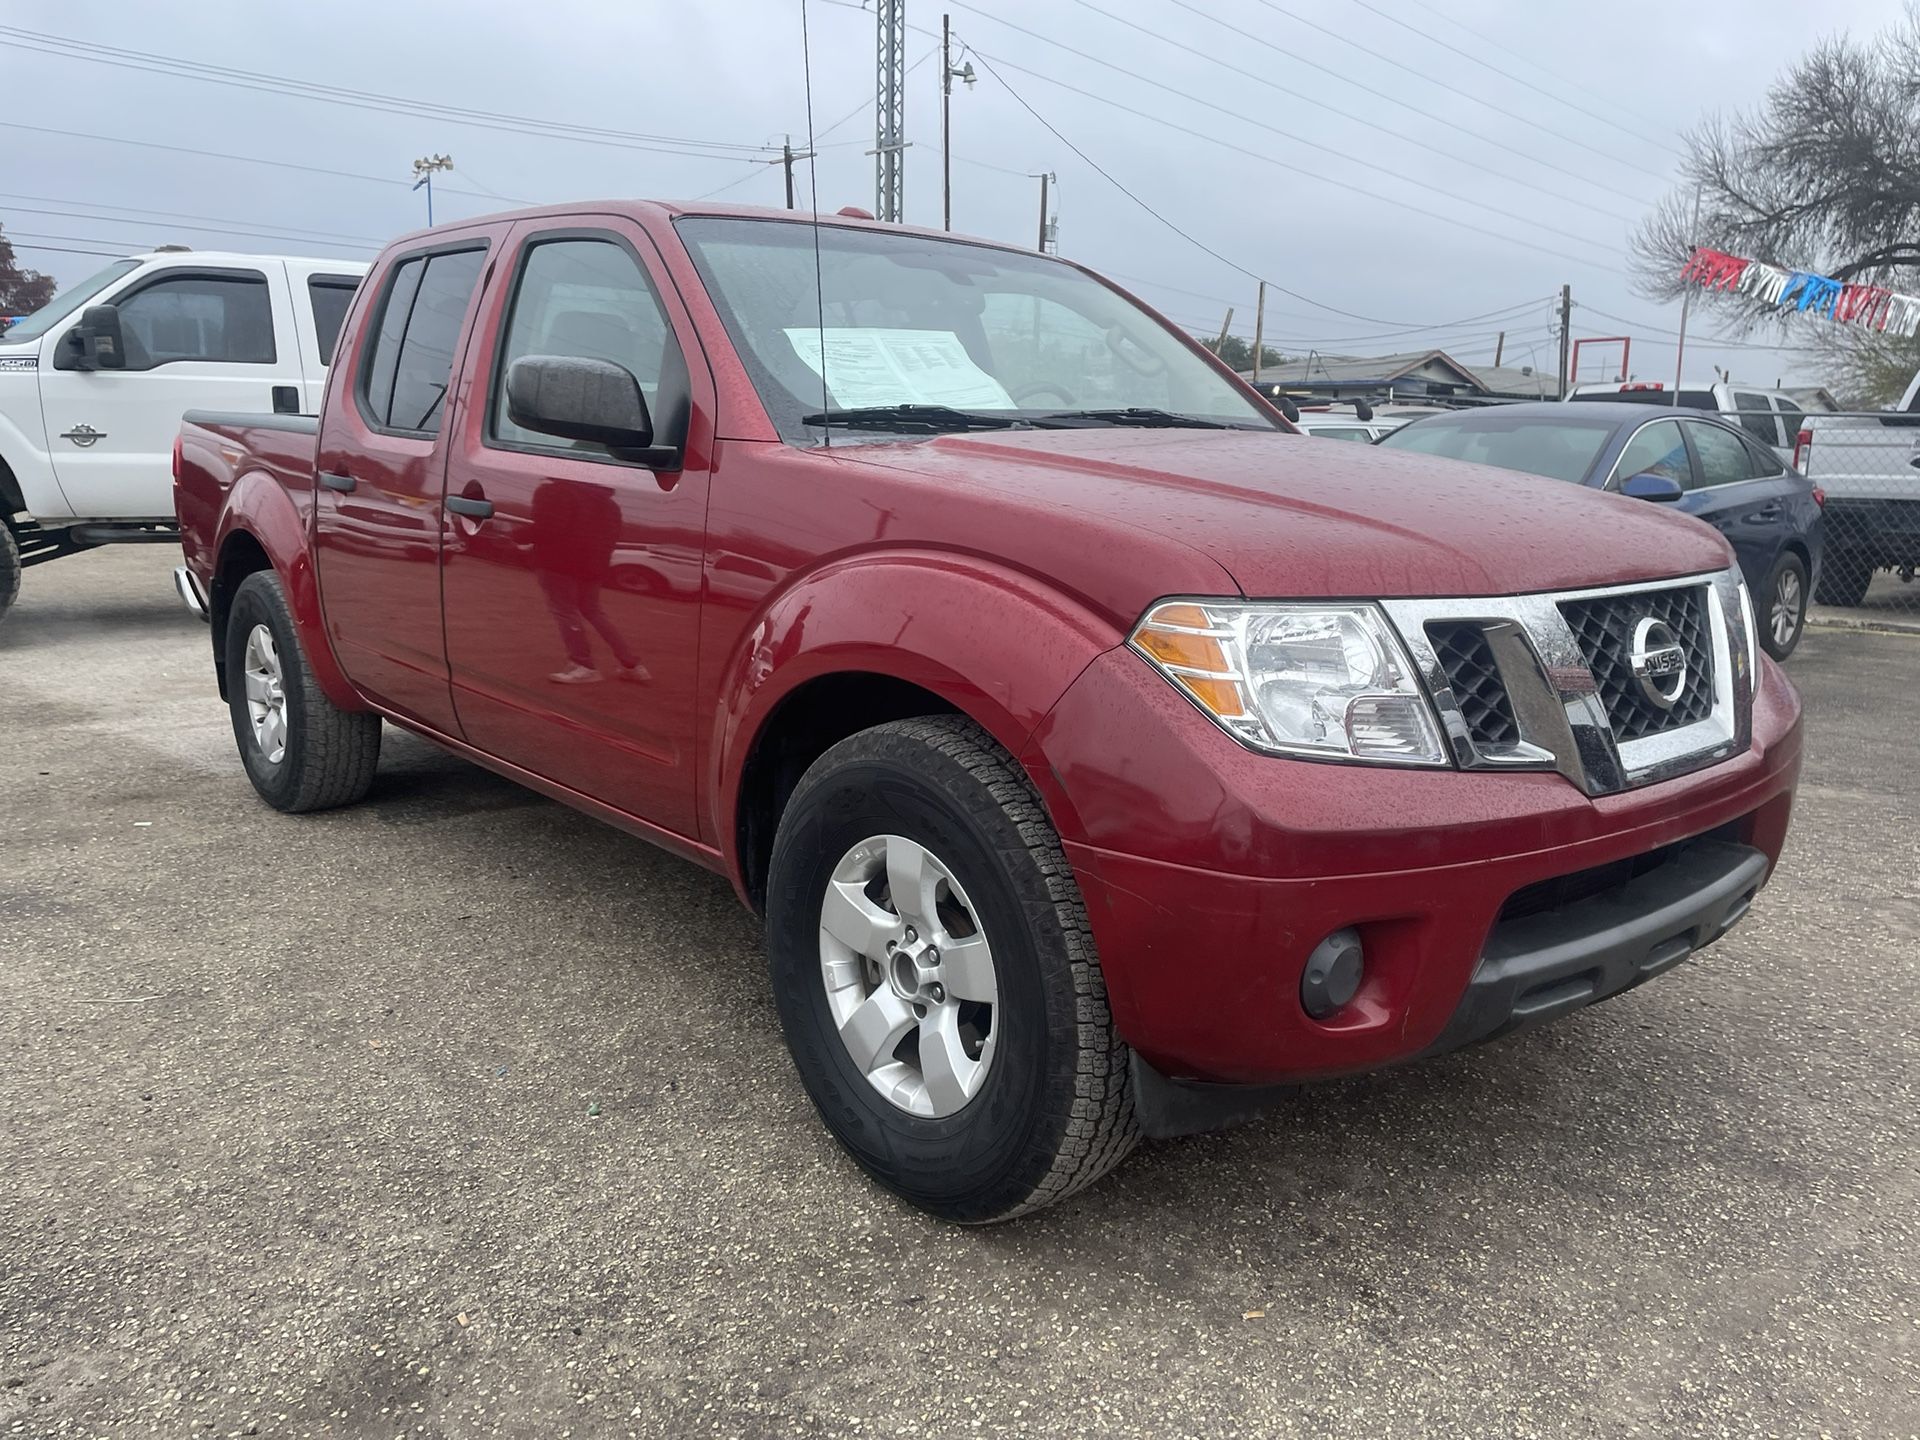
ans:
(572, 605)
(382, 463)
(197, 338)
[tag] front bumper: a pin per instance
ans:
(1210, 874)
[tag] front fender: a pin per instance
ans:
(995, 643)
(24, 453)
(259, 507)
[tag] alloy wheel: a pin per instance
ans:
(266, 695)
(1789, 599)
(909, 976)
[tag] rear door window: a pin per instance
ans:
(329, 295)
(411, 363)
(1724, 459)
(1756, 417)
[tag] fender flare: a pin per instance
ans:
(261, 508)
(998, 644)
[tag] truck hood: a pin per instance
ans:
(1286, 515)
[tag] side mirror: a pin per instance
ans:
(1648, 485)
(579, 399)
(95, 343)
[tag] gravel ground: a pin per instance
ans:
(458, 1114)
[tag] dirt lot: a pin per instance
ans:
(458, 1114)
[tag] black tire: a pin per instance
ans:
(1844, 578)
(1054, 1111)
(1786, 585)
(330, 754)
(9, 567)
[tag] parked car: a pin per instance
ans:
(1773, 417)
(1099, 753)
(1869, 467)
(92, 387)
(1705, 467)
(1353, 420)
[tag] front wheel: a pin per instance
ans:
(9, 567)
(1785, 602)
(301, 751)
(936, 977)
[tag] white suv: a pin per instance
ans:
(92, 387)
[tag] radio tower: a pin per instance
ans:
(890, 110)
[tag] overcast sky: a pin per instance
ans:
(1263, 137)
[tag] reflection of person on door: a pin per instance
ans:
(575, 526)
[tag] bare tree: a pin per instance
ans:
(1823, 176)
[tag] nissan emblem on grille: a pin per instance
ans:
(1659, 663)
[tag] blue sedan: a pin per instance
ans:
(1697, 463)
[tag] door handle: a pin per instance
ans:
(343, 483)
(471, 508)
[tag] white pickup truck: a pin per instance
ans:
(92, 387)
(1869, 467)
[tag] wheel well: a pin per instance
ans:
(1798, 549)
(240, 557)
(12, 498)
(808, 723)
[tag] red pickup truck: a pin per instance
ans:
(1100, 752)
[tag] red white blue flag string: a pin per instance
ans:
(1801, 291)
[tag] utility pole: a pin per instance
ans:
(947, 76)
(1259, 330)
(890, 110)
(423, 169)
(1227, 325)
(1566, 334)
(1686, 304)
(1499, 349)
(787, 156)
(1045, 178)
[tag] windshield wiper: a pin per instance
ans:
(914, 419)
(1136, 415)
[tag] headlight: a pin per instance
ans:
(1753, 636)
(1315, 679)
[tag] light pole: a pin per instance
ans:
(423, 169)
(947, 76)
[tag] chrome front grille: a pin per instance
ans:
(1581, 682)
(1603, 629)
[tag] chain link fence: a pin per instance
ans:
(1868, 467)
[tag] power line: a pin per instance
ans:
(1348, 115)
(1557, 98)
(1402, 102)
(66, 250)
(1553, 75)
(1252, 154)
(180, 68)
(358, 241)
(237, 159)
(1235, 115)
(1465, 94)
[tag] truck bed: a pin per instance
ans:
(215, 450)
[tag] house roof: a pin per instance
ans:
(1360, 369)
(1518, 380)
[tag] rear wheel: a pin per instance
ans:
(301, 751)
(9, 567)
(1784, 613)
(936, 977)
(1844, 578)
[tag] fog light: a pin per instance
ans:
(1332, 976)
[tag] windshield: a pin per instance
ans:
(923, 334)
(1535, 444)
(65, 303)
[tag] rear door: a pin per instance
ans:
(573, 604)
(1741, 489)
(198, 337)
(382, 464)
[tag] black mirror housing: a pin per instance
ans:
(576, 398)
(102, 343)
